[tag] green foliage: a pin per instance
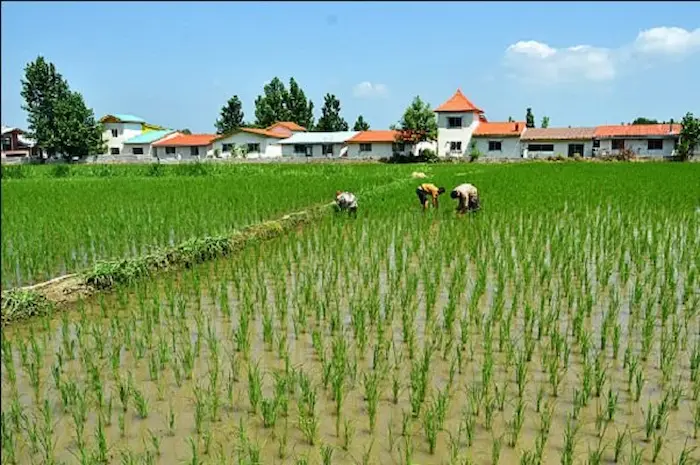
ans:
(545, 122)
(279, 104)
(474, 152)
(21, 304)
(301, 110)
(360, 124)
(59, 120)
(231, 116)
(690, 136)
(529, 118)
(418, 122)
(330, 119)
(643, 120)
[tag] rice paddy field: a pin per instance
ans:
(558, 325)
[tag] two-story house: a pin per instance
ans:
(118, 128)
(457, 119)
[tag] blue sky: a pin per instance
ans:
(177, 63)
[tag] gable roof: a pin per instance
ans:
(149, 137)
(458, 103)
(121, 118)
(558, 134)
(337, 137)
(291, 125)
(192, 140)
(376, 136)
(506, 129)
(7, 129)
(260, 132)
(638, 130)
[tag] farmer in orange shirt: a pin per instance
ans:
(427, 190)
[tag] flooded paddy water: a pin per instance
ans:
(528, 337)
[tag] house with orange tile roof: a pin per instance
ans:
(646, 140)
(184, 146)
(550, 142)
(457, 118)
(498, 139)
(376, 144)
(286, 128)
(249, 142)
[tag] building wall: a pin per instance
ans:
(183, 152)
(640, 147)
(470, 120)
(560, 148)
(379, 150)
(316, 150)
(125, 131)
(510, 147)
(269, 147)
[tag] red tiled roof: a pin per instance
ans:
(508, 128)
(637, 130)
(291, 125)
(192, 140)
(458, 103)
(260, 132)
(558, 134)
(374, 136)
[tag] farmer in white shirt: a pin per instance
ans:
(467, 196)
(346, 201)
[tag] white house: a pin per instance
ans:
(184, 146)
(16, 146)
(645, 140)
(457, 119)
(498, 139)
(316, 144)
(121, 127)
(255, 143)
(377, 144)
(549, 142)
(141, 146)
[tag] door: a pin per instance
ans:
(575, 149)
(309, 150)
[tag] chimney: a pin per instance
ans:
(517, 126)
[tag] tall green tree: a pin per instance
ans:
(689, 137)
(360, 124)
(330, 119)
(59, 121)
(545, 122)
(643, 120)
(529, 118)
(272, 105)
(301, 110)
(418, 122)
(231, 116)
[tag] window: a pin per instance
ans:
(655, 144)
(596, 143)
(253, 148)
(114, 150)
(540, 148)
(618, 144)
(365, 147)
(454, 122)
(227, 148)
(115, 133)
(6, 143)
(137, 150)
(495, 146)
(194, 151)
(327, 149)
(398, 147)
(170, 150)
(456, 146)
(299, 148)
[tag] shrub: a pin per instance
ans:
(474, 152)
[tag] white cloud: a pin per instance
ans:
(538, 62)
(369, 90)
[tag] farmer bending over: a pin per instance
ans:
(346, 201)
(467, 196)
(429, 190)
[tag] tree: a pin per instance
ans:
(330, 119)
(272, 106)
(643, 120)
(300, 110)
(59, 121)
(545, 122)
(510, 119)
(360, 124)
(184, 131)
(418, 123)
(529, 119)
(231, 116)
(689, 137)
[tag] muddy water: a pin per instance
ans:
(364, 256)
